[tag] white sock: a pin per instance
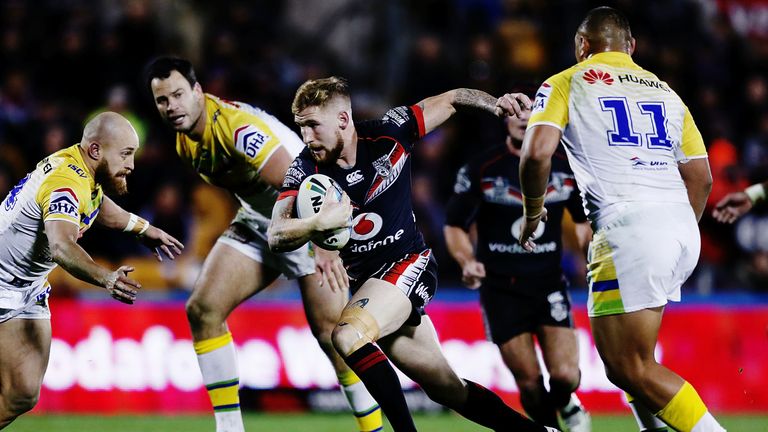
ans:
(363, 405)
(218, 364)
(707, 424)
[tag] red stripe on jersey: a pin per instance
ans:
(393, 274)
(419, 119)
(238, 130)
(69, 191)
(286, 194)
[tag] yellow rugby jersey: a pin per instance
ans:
(60, 188)
(625, 131)
(238, 140)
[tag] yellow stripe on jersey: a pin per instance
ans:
(692, 143)
(601, 275)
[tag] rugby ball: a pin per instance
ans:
(308, 201)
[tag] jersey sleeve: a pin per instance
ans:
(250, 137)
(550, 106)
(300, 168)
(692, 145)
(404, 123)
(62, 197)
(462, 206)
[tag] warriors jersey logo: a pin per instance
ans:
(64, 202)
(388, 169)
(366, 225)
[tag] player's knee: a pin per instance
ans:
(532, 385)
(564, 375)
(21, 401)
(200, 313)
(356, 328)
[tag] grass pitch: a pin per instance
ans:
(308, 422)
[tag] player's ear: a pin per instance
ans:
(197, 88)
(94, 150)
(632, 44)
(344, 118)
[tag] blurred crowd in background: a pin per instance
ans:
(63, 61)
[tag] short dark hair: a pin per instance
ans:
(603, 23)
(319, 92)
(162, 67)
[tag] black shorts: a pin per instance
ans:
(512, 306)
(415, 274)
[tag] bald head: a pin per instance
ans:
(108, 147)
(603, 29)
(109, 129)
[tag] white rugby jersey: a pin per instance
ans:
(60, 188)
(624, 130)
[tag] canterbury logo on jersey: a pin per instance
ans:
(354, 178)
(388, 169)
(64, 202)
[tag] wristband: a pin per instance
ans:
(756, 193)
(533, 207)
(136, 225)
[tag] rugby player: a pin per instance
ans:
(247, 151)
(736, 204)
(393, 274)
(522, 293)
(641, 165)
(41, 220)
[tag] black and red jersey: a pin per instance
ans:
(487, 191)
(379, 186)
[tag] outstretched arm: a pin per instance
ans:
(62, 240)
(113, 216)
(438, 109)
(737, 204)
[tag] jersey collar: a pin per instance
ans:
(79, 161)
(613, 58)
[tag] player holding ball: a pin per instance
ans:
(393, 274)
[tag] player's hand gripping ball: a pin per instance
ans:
(311, 196)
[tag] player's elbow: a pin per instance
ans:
(59, 249)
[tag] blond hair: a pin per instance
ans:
(319, 92)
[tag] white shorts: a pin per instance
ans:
(249, 237)
(27, 303)
(641, 259)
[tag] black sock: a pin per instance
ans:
(485, 408)
(371, 365)
(536, 403)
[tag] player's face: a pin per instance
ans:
(516, 125)
(178, 103)
(115, 166)
(320, 130)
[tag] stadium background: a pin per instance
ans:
(62, 61)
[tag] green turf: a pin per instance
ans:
(305, 423)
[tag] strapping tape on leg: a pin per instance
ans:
(364, 324)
